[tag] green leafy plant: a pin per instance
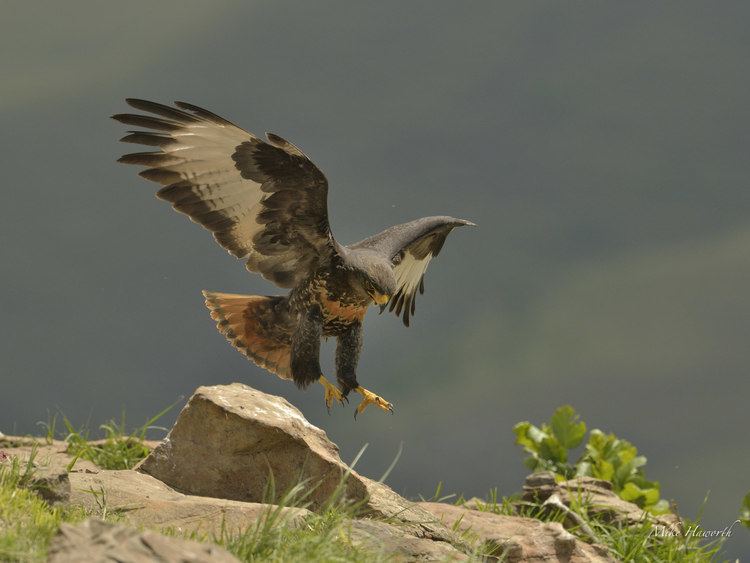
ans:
(605, 456)
(549, 444)
(745, 511)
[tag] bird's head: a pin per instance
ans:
(373, 275)
(379, 283)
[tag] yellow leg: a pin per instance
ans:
(331, 393)
(368, 398)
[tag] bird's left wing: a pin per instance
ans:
(410, 247)
(265, 202)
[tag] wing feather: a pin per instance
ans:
(263, 201)
(410, 247)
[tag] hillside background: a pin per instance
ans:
(602, 149)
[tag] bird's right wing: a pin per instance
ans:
(265, 202)
(410, 247)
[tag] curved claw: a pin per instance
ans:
(332, 393)
(370, 398)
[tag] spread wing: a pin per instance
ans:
(263, 201)
(410, 247)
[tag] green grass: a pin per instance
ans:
(118, 449)
(27, 523)
(638, 543)
(324, 535)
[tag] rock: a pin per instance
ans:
(52, 487)
(142, 500)
(516, 538)
(52, 456)
(229, 440)
(50, 476)
(601, 500)
(95, 541)
(9, 441)
(400, 546)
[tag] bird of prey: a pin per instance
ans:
(266, 203)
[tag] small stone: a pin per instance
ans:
(540, 479)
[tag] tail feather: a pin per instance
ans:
(258, 326)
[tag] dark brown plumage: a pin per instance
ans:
(266, 202)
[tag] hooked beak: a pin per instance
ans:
(380, 298)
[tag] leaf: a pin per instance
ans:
(536, 434)
(521, 430)
(625, 451)
(532, 463)
(603, 470)
(546, 452)
(623, 473)
(550, 449)
(745, 511)
(642, 497)
(584, 469)
(660, 507)
(631, 492)
(567, 427)
(651, 496)
(639, 461)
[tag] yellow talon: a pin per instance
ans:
(331, 393)
(368, 398)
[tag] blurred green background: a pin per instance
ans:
(601, 147)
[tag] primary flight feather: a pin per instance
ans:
(266, 203)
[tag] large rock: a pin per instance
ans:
(515, 538)
(141, 500)
(95, 541)
(230, 439)
(598, 497)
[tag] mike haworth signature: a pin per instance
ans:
(697, 531)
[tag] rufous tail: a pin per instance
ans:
(258, 326)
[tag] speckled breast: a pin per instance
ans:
(338, 312)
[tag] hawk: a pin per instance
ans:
(266, 203)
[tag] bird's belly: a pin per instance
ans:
(336, 327)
